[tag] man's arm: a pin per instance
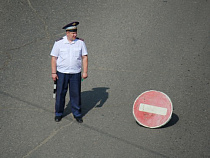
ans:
(85, 66)
(54, 69)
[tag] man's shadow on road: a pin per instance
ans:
(90, 99)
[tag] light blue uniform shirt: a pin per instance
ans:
(69, 55)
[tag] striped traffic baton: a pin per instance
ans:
(54, 90)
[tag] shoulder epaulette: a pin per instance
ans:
(80, 39)
(59, 39)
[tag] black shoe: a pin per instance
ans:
(58, 118)
(79, 119)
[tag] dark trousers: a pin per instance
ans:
(73, 82)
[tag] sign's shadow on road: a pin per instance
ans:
(174, 119)
(94, 98)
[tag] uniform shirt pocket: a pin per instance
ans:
(63, 53)
(77, 53)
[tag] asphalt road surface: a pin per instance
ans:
(134, 46)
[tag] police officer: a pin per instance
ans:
(68, 57)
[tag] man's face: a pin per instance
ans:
(71, 35)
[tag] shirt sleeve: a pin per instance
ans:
(84, 49)
(55, 50)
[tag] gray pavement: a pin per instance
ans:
(133, 46)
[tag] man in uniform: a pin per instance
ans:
(68, 57)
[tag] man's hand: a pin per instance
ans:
(84, 75)
(54, 77)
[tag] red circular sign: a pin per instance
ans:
(152, 109)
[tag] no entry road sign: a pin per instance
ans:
(152, 109)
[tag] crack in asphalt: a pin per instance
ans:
(54, 132)
(47, 36)
(39, 17)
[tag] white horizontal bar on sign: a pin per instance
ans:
(152, 109)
